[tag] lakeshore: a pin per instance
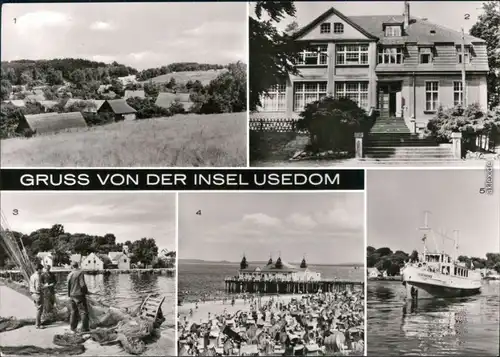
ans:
(16, 304)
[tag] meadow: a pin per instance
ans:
(183, 77)
(217, 140)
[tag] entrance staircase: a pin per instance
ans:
(390, 141)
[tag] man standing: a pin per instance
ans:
(37, 294)
(77, 291)
(49, 297)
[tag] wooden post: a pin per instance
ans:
(358, 142)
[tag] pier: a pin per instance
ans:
(16, 275)
(235, 285)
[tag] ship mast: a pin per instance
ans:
(426, 229)
(456, 244)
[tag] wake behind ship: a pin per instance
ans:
(437, 274)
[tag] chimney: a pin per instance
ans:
(406, 15)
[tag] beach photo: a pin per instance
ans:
(271, 274)
(433, 262)
(89, 274)
(374, 83)
(119, 84)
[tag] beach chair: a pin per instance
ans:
(151, 307)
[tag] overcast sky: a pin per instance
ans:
(446, 13)
(141, 35)
(129, 216)
(398, 198)
(326, 227)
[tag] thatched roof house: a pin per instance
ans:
(135, 94)
(119, 108)
(51, 122)
(165, 100)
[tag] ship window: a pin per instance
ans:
(455, 271)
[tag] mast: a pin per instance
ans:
(455, 232)
(426, 229)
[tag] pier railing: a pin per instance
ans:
(284, 286)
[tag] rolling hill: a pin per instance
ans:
(183, 77)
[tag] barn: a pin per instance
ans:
(51, 122)
(119, 108)
(165, 100)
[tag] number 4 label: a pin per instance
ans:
(198, 212)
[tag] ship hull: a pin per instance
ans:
(425, 285)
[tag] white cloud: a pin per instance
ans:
(211, 28)
(42, 19)
(301, 221)
(341, 219)
(101, 26)
(261, 219)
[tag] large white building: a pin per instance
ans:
(278, 270)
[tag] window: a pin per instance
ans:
(431, 95)
(356, 91)
(352, 54)
(461, 57)
(275, 100)
(314, 56)
(325, 28)
(307, 92)
(458, 93)
(338, 27)
(390, 55)
(392, 31)
(425, 55)
(124, 260)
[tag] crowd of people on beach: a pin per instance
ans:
(312, 324)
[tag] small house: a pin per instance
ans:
(120, 109)
(75, 258)
(96, 262)
(120, 260)
(51, 122)
(135, 94)
(46, 258)
(165, 100)
(19, 103)
(33, 98)
(373, 273)
(132, 79)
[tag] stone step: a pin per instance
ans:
(409, 149)
(419, 161)
(399, 143)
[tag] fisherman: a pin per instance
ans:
(49, 296)
(77, 291)
(36, 290)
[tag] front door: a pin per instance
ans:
(384, 104)
(390, 101)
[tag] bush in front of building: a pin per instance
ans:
(471, 121)
(332, 122)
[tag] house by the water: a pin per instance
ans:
(113, 260)
(399, 65)
(277, 270)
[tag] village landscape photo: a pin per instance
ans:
(124, 84)
(374, 83)
(433, 263)
(271, 274)
(89, 274)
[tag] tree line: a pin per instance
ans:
(62, 244)
(384, 259)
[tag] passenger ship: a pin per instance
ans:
(439, 275)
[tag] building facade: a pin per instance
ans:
(119, 260)
(278, 270)
(396, 65)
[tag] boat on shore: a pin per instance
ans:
(437, 274)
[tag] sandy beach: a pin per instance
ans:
(19, 306)
(216, 307)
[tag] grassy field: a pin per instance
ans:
(183, 77)
(183, 140)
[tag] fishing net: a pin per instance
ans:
(110, 325)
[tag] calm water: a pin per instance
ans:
(200, 278)
(461, 326)
(128, 290)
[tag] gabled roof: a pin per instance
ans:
(165, 100)
(324, 16)
(105, 259)
(48, 103)
(35, 97)
(44, 254)
(115, 256)
(418, 31)
(17, 103)
(53, 122)
(120, 106)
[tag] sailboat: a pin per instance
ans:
(437, 274)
